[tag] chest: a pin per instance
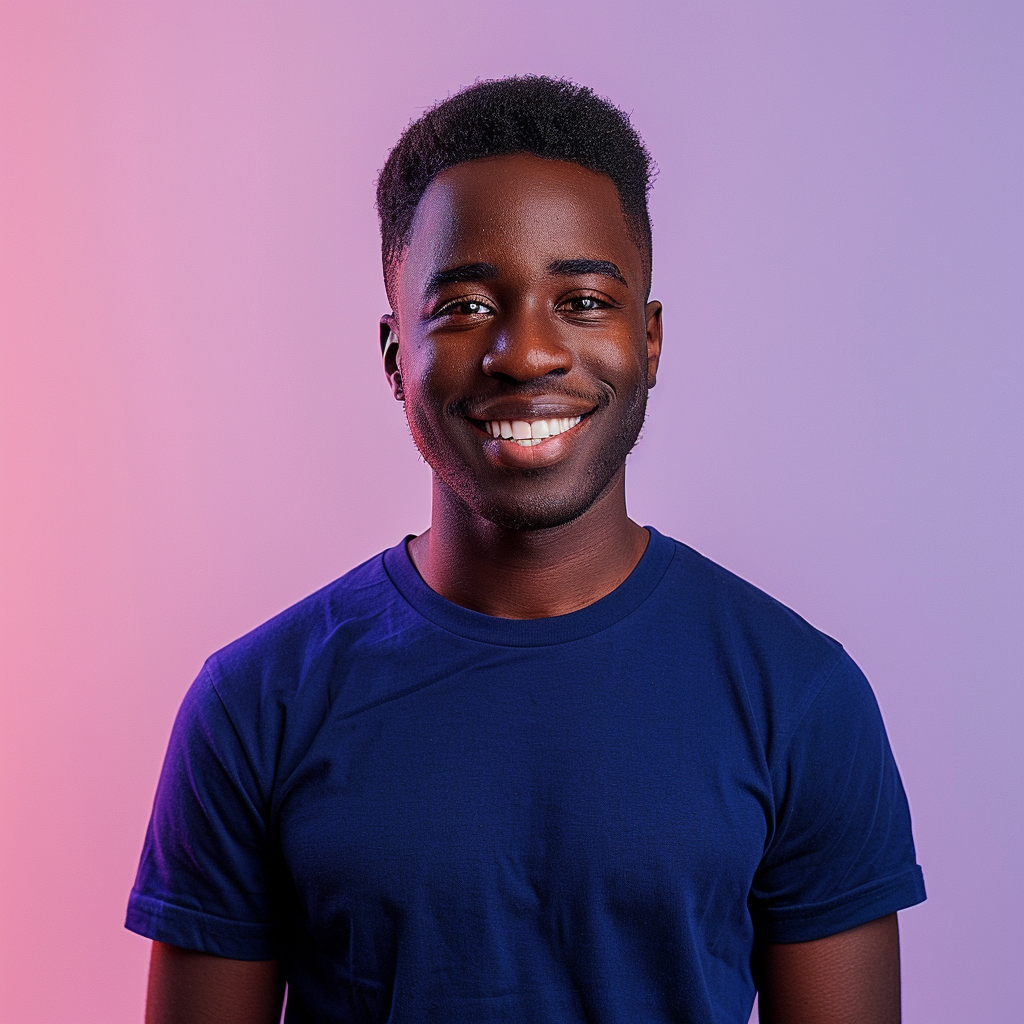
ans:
(500, 795)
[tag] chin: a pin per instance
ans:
(528, 508)
(535, 515)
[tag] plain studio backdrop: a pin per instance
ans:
(196, 431)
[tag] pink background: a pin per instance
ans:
(196, 431)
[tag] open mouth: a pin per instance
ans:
(527, 433)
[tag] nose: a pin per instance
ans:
(526, 349)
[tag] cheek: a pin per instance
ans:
(423, 427)
(429, 388)
(424, 368)
(437, 374)
(420, 404)
(621, 362)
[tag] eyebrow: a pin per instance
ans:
(485, 271)
(467, 272)
(575, 268)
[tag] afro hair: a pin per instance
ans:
(547, 117)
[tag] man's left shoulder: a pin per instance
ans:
(766, 643)
(727, 598)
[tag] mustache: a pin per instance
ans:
(464, 406)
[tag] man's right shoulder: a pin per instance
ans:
(278, 654)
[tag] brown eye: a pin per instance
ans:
(584, 304)
(464, 307)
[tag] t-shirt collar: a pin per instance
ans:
(557, 629)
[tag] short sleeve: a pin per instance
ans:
(203, 880)
(842, 851)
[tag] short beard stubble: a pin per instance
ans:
(539, 512)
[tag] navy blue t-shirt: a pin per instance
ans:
(430, 814)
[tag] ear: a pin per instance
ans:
(653, 342)
(389, 352)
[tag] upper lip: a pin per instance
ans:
(537, 407)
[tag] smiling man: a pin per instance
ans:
(539, 763)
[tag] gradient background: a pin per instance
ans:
(196, 431)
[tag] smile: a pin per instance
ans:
(526, 433)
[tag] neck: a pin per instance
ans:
(528, 574)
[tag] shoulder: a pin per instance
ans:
(273, 659)
(742, 613)
(258, 702)
(771, 654)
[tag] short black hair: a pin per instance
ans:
(547, 117)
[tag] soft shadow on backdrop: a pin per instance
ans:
(196, 431)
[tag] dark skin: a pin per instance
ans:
(536, 531)
(849, 978)
(186, 987)
(522, 296)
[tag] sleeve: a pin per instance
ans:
(203, 880)
(842, 852)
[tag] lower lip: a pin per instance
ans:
(505, 452)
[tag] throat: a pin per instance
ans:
(528, 574)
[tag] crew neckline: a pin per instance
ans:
(556, 629)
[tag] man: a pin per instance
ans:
(539, 763)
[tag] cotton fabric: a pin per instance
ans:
(430, 814)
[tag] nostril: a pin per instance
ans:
(511, 378)
(527, 359)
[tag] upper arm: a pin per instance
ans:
(840, 850)
(203, 989)
(849, 978)
(205, 879)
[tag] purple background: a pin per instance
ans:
(196, 431)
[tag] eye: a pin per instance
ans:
(464, 307)
(583, 304)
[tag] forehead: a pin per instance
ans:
(515, 210)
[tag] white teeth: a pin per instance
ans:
(530, 432)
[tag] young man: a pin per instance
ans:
(539, 763)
